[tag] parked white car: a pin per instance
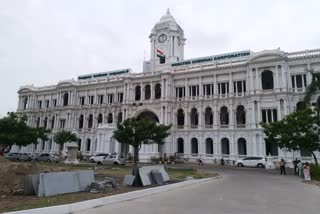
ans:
(98, 157)
(114, 159)
(259, 162)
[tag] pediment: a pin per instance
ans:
(267, 55)
(66, 83)
(26, 89)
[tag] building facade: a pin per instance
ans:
(214, 103)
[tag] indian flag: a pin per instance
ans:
(160, 54)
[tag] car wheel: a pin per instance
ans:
(260, 165)
(99, 163)
(240, 165)
(91, 161)
(116, 163)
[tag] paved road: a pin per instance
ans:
(239, 191)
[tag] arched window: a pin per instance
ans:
(79, 144)
(157, 91)
(110, 118)
(100, 118)
(208, 117)
(65, 99)
(300, 106)
(194, 118)
(88, 145)
(242, 146)
(194, 146)
(138, 93)
(180, 145)
(241, 116)
(147, 92)
(224, 116)
(180, 117)
(90, 121)
(120, 117)
(267, 79)
(225, 150)
(81, 119)
(209, 146)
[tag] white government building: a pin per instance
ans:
(214, 103)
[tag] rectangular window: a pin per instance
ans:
(39, 104)
(91, 100)
(223, 88)
(47, 103)
(120, 97)
(180, 92)
(208, 89)
(54, 102)
(100, 99)
(110, 98)
(81, 100)
(62, 123)
(299, 82)
(239, 87)
(269, 115)
(194, 91)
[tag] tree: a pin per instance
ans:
(137, 132)
(297, 131)
(14, 130)
(312, 89)
(64, 137)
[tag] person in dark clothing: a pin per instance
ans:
(200, 160)
(282, 167)
(295, 165)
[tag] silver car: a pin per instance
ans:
(114, 159)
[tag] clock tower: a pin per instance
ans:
(167, 41)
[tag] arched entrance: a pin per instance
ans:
(148, 115)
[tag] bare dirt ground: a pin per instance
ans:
(13, 176)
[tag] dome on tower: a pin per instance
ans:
(167, 18)
(167, 21)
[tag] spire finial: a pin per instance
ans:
(168, 11)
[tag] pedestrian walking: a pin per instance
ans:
(306, 172)
(200, 160)
(282, 167)
(299, 168)
(295, 166)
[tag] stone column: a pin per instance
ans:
(277, 78)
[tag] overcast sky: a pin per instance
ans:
(45, 41)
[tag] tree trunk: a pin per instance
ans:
(315, 158)
(135, 155)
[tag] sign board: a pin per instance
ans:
(214, 58)
(103, 74)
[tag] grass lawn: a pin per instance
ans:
(21, 202)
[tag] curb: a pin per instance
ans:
(83, 205)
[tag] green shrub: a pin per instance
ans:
(315, 172)
(172, 158)
(154, 159)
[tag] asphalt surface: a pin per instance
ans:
(240, 191)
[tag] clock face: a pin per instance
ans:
(162, 38)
